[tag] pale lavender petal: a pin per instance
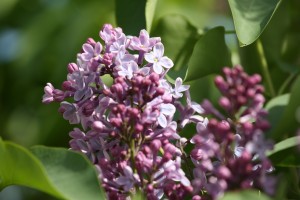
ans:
(128, 171)
(162, 120)
(122, 180)
(157, 68)
(197, 107)
(149, 57)
(88, 48)
(167, 109)
(158, 50)
(98, 48)
(144, 37)
(166, 62)
(145, 70)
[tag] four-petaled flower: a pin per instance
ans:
(157, 59)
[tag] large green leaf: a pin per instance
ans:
(276, 107)
(56, 171)
(150, 11)
(287, 124)
(251, 17)
(210, 55)
(245, 195)
(71, 173)
(179, 38)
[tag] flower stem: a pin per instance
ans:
(264, 68)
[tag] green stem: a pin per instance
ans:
(264, 68)
(286, 83)
(230, 32)
(132, 154)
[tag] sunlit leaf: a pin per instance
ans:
(70, 172)
(286, 153)
(19, 167)
(251, 17)
(244, 195)
(150, 10)
(210, 55)
(56, 171)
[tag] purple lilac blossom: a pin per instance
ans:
(230, 150)
(133, 130)
(129, 130)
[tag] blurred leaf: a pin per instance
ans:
(276, 107)
(210, 55)
(20, 167)
(6, 6)
(285, 144)
(150, 10)
(130, 15)
(179, 38)
(245, 195)
(251, 17)
(288, 124)
(56, 171)
(71, 173)
(285, 153)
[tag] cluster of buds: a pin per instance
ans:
(230, 149)
(133, 128)
(129, 131)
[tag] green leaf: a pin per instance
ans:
(19, 167)
(71, 173)
(287, 124)
(245, 195)
(130, 15)
(285, 144)
(210, 55)
(56, 171)
(150, 10)
(179, 38)
(286, 153)
(276, 107)
(251, 17)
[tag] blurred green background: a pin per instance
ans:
(38, 38)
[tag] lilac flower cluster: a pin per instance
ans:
(132, 128)
(230, 150)
(129, 131)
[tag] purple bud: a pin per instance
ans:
(155, 145)
(221, 84)
(91, 41)
(154, 77)
(58, 95)
(138, 128)
(97, 126)
(67, 85)
(225, 103)
(223, 172)
(241, 100)
(72, 67)
(116, 122)
(227, 71)
(250, 93)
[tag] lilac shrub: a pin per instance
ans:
(132, 128)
